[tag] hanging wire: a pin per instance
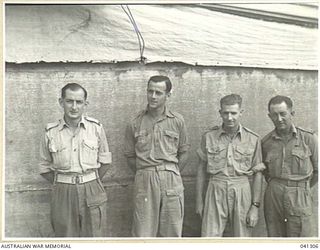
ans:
(138, 33)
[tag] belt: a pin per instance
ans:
(161, 167)
(240, 178)
(76, 178)
(291, 183)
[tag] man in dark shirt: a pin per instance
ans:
(290, 154)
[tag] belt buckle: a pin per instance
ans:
(76, 179)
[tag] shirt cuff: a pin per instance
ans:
(258, 168)
(201, 155)
(105, 157)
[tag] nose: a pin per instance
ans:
(74, 105)
(229, 117)
(153, 94)
(279, 118)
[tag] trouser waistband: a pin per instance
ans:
(161, 167)
(292, 183)
(242, 178)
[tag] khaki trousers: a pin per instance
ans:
(158, 203)
(288, 209)
(227, 202)
(79, 210)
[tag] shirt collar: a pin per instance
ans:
(293, 131)
(166, 112)
(63, 124)
(222, 131)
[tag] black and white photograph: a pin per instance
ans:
(160, 120)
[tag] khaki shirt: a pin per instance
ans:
(228, 157)
(295, 160)
(155, 142)
(66, 151)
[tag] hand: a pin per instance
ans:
(199, 208)
(252, 216)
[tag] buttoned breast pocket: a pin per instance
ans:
(143, 140)
(301, 160)
(243, 155)
(217, 156)
(89, 152)
(59, 154)
(171, 140)
(273, 163)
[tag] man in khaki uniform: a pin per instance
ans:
(74, 156)
(229, 154)
(290, 154)
(156, 149)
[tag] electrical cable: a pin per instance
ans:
(137, 31)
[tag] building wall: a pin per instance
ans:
(115, 93)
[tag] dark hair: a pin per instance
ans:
(160, 78)
(73, 86)
(231, 100)
(278, 99)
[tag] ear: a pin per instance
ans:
(241, 112)
(293, 112)
(269, 116)
(61, 102)
(169, 94)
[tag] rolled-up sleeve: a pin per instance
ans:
(129, 147)
(257, 164)
(202, 150)
(46, 161)
(104, 156)
(313, 146)
(184, 144)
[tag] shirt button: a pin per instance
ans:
(75, 150)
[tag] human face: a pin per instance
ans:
(157, 95)
(230, 115)
(281, 116)
(73, 104)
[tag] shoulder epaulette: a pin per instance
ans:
(176, 114)
(139, 114)
(90, 119)
(208, 129)
(52, 125)
(266, 137)
(250, 131)
(310, 131)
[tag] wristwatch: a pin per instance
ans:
(256, 204)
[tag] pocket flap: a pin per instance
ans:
(301, 153)
(173, 168)
(142, 132)
(90, 144)
(171, 133)
(244, 150)
(300, 211)
(96, 200)
(271, 156)
(54, 148)
(174, 192)
(216, 149)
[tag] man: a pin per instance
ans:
(74, 156)
(290, 154)
(229, 154)
(156, 148)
